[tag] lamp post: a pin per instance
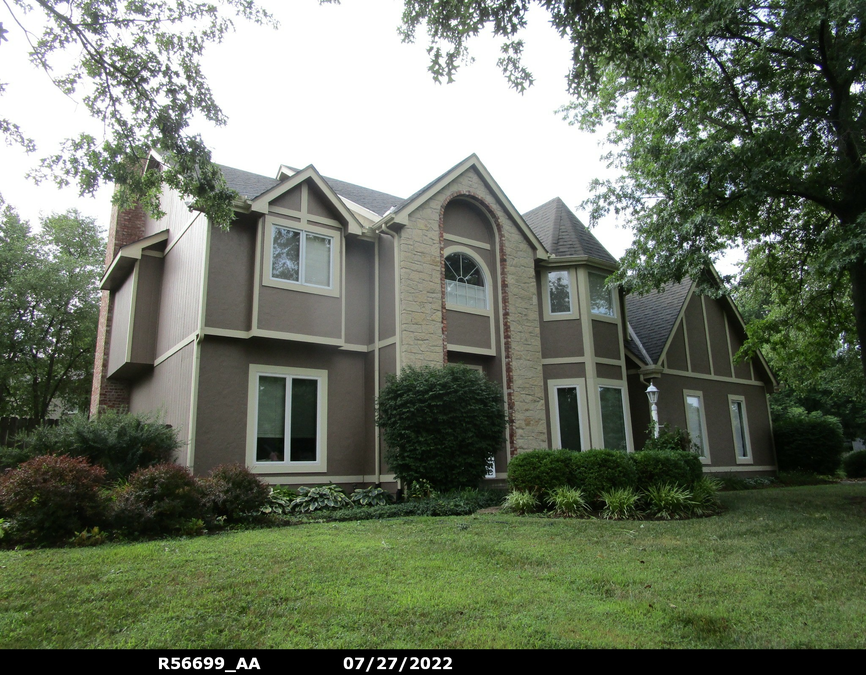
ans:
(652, 393)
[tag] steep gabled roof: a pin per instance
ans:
(652, 316)
(251, 185)
(563, 234)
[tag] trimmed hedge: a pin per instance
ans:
(677, 468)
(597, 471)
(541, 471)
(854, 464)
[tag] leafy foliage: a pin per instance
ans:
(120, 443)
(667, 501)
(455, 503)
(49, 499)
(521, 501)
(233, 492)
(279, 501)
(854, 464)
(371, 496)
(670, 439)
(540, 471)
(567, 501)
(159, 500)
(595, 471)
(808, 442)
(675, 468)
(735, 123)
(136, 67)
(321, 497)
(620, 503)
(704, 500)
(49, 303)
(442, 425)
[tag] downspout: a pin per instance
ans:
(383, 229)
(378, 442)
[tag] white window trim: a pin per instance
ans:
(705, 459)
(613, 314)
(732, 398)
(582, 410)
(485, 272)
(287, 466)
(549, 315)
(304, 228)
(629, 446)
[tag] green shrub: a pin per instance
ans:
(321, 497)
(442, 425)
(159, 500)
(455, 503)
(658, 466)
(808, 442)
(371, 496)
(567, 501)
(233, 492)
(541, 471)
(596, 471)
(13, 457)
(620, 503)
(670, 439)
(704, 499)
(121, 444)
(854, 464)
(521, 502)
(48, 499)
(419, 489)
(667, 501)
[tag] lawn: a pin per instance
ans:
(781, 568)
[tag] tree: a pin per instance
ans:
(136, 66)
(49, 304)
(735, 122)
(442, 425)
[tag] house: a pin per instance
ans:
(267, 344)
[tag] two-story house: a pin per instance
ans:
(267, 344)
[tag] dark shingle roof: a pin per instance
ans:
(652, 316)
(563, 234)
(251, 185)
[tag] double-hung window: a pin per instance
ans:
(287, 419)
(559, 292)
(301, 257)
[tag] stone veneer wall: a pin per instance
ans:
(421, 302)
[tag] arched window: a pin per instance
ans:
(464, 282)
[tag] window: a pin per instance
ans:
(491, 468)
(740, 428)
(464, 282)
(696, 423)
(568, 417)
(559, 292)
(612, 418)
(286, 423)
(301, 257)
(600, 296)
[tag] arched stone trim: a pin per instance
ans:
(479, 201)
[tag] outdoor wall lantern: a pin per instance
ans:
(652, 393)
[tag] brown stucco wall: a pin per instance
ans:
(359, 291)
(561, 339)
(146, 322)
(606, 339)
(697, 336)
(231, 274)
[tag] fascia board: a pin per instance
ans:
(560, 261)
(260, 203)
(124, 259)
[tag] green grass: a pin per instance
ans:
(779, 569)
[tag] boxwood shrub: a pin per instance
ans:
(540, 471)
(854, 464)
(675, 468)
(597, 471)
(808, 442)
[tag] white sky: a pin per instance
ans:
(336, 88)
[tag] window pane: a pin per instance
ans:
(286, 258)
(304, 420)
(271, 432)
(693, 415)
(317, 260)
(599, 295)
(464, 282)
(612, 418)
(569, 419)
(739, 422)
(559, 292)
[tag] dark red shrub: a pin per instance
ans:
(234, 492)
(48, 499)
(161, 499)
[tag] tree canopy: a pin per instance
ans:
(735, 123)
(136, 68)
(49, 304)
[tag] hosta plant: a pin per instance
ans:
(620, 504)
(322, 497)
(567, 501)
(668, 501)
(520, 502)
(279, 501)
(371, 496)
